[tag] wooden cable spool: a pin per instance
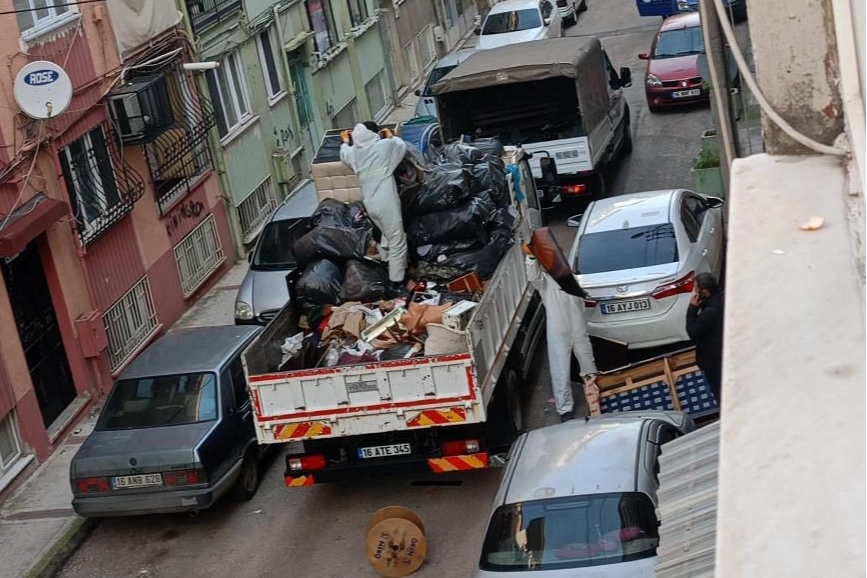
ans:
(395, 543)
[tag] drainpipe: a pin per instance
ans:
(290, 88)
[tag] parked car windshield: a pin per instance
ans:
(512, 21)
(160, 401)
(274, 251)
(679, 43)
(571, 532)
(623, 249)
(435, 76)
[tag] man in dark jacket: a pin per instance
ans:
(704, 324)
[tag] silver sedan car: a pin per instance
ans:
(578, 499)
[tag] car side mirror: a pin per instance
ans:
(477, 31)
(643, 56)
(625, 77)
(547, 21)
(418, 92)
(714, 202)
(574, 220)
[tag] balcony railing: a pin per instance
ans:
(204, 13)
(180, 153)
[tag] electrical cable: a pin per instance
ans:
(26, 178)
(757, 93)
(20, 10)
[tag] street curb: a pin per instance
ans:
(50, 563)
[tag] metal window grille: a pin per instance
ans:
(198, 255)
(204, 13)
(426, 46)
(375, 90)
(10, 448)
(347, 117)
(412, 60)
(129, 322)
(254, 210)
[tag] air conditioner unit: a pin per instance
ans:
(141, 109)
(439, 34)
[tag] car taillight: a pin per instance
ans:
(185, 478)
(573, 189)
(590, 303)
(312, 462)
(92, 485)
(457, 448)
(683, 285)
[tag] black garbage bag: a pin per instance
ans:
(492, 177)
(335, 243)
(331, 213)
(434, 251)
(445, 186)
(465, 222)
(358, 217)
(502, 219)
(365, 281)
(489, 146)
(320, 283)
(483, 261)
(329, 150)
(461, 153)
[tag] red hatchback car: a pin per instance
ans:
(672, 76)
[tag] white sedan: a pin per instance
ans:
(637, 256)
(514, 21)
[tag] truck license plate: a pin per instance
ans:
(384, 451)
(686, 93)
(626, 306)
(139, 481)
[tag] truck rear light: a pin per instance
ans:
(185, 478)
(92, 485)
(573, 189)
(683, 285)
(312, 462)
(462, 447)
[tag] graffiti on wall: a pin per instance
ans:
(184, 212)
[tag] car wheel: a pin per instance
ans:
(572, 19)
(516, 408)
(626, 148)
(248, 479)
(583, 6)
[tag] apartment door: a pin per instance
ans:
(39, 333)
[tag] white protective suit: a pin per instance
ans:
(374, 160)
(566, 331)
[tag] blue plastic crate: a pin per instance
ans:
(653, 396)
(694, 394)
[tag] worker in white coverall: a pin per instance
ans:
(374, 160)
(567, 334)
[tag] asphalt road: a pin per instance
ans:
(317, 531)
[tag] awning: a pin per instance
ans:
(296, 42)
(29, 221)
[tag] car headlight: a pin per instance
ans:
(653, 81)
(243, 311)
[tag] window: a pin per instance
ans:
(412, 60)
(300, 93)
(691, 222)
(269, 66)
(512, 21)
(426, 46)
(10, 449)
(198, 255)
(100, 193)
(160, 401)
(321, 23)
(436, 75)
(679, 42)
(239, 382)
(358, 11)
(204, 13)
(256, 208)
(622, 249)
(275, 249)
(228, 89)
(376, 92)
(347, 117)
(129, 322)
(40, 14)
(571, 532)
(547, 9)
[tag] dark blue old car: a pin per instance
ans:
(176, 432)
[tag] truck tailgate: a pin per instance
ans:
(571, 154)
(364, 399)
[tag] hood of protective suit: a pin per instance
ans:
(363, 137)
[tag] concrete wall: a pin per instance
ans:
(796, 63)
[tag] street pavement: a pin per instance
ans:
(317, 531)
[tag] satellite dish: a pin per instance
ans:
(42, 89)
